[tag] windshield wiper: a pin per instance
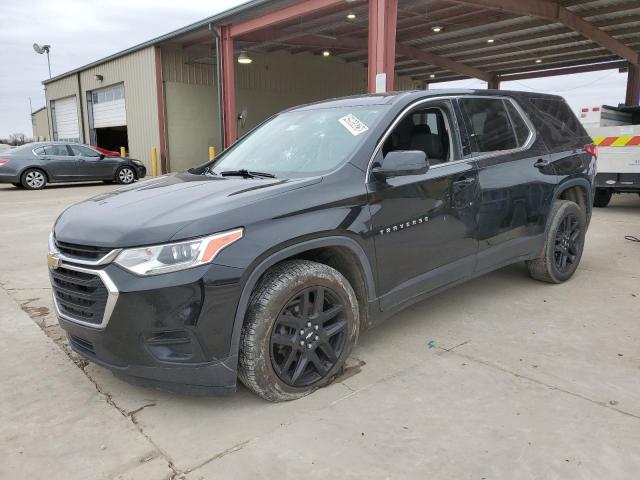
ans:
(246, 174)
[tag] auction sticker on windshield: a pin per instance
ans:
(353, 124)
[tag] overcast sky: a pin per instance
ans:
(81, 31)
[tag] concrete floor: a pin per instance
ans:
(501, 378)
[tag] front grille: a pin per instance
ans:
(80, 296)
(82, 251)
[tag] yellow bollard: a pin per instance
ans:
(123, 152)
(154, 162)
(212, 152)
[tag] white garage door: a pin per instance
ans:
(109, 107)
(66, 120)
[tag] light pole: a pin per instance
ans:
(43, 49)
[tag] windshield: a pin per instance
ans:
(302, 143)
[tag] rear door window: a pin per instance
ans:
(57, 150)
(488, 124)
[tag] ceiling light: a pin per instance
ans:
(433, 75)
(244, 59)
(437, 28)
(490, 40)
(351, 16)
(539, 60)
(326, 53)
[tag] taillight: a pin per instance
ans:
(592, 150)
(3, 161)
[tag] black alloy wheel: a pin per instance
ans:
(308, 336)
(300, 326)
(563, 246)
(567, 246)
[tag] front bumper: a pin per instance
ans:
(170, 331)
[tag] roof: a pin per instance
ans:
(511, 40)
(38, 110)
(408, 96)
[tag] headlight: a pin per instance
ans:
(171, 257)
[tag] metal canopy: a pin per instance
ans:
(501, 39)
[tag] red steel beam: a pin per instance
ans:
(383, 17)
(228, 87)
(268, 20)
(553, 11)
(161, 120)
(633, 86)
(565, 71)
(432, 59)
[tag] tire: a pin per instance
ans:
(563, 246)
(601, 197)
(125, 175)
(33, 179)
(273, 362)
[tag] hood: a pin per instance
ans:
(156, 210)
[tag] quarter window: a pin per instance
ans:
(58, 150)
(561, 124)
(489, 125)
(39, 151)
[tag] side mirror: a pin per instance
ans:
(400, 163)
(102, 156)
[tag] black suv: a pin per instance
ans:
(267, 262)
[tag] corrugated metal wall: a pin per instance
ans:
(65, 87)
(40, 124)
(137, 72)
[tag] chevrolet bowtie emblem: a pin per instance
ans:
(53, 261)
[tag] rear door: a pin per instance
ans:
(93, 165)
(424, 226)
(516, 183)
(59, 162)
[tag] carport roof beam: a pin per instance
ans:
(553, 11)
(268, 20)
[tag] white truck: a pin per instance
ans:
(616, 132)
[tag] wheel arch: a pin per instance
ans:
(318, 249)
(578, 190)
(35, 167)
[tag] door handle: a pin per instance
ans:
(541, 163)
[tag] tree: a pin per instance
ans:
(16, 139)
